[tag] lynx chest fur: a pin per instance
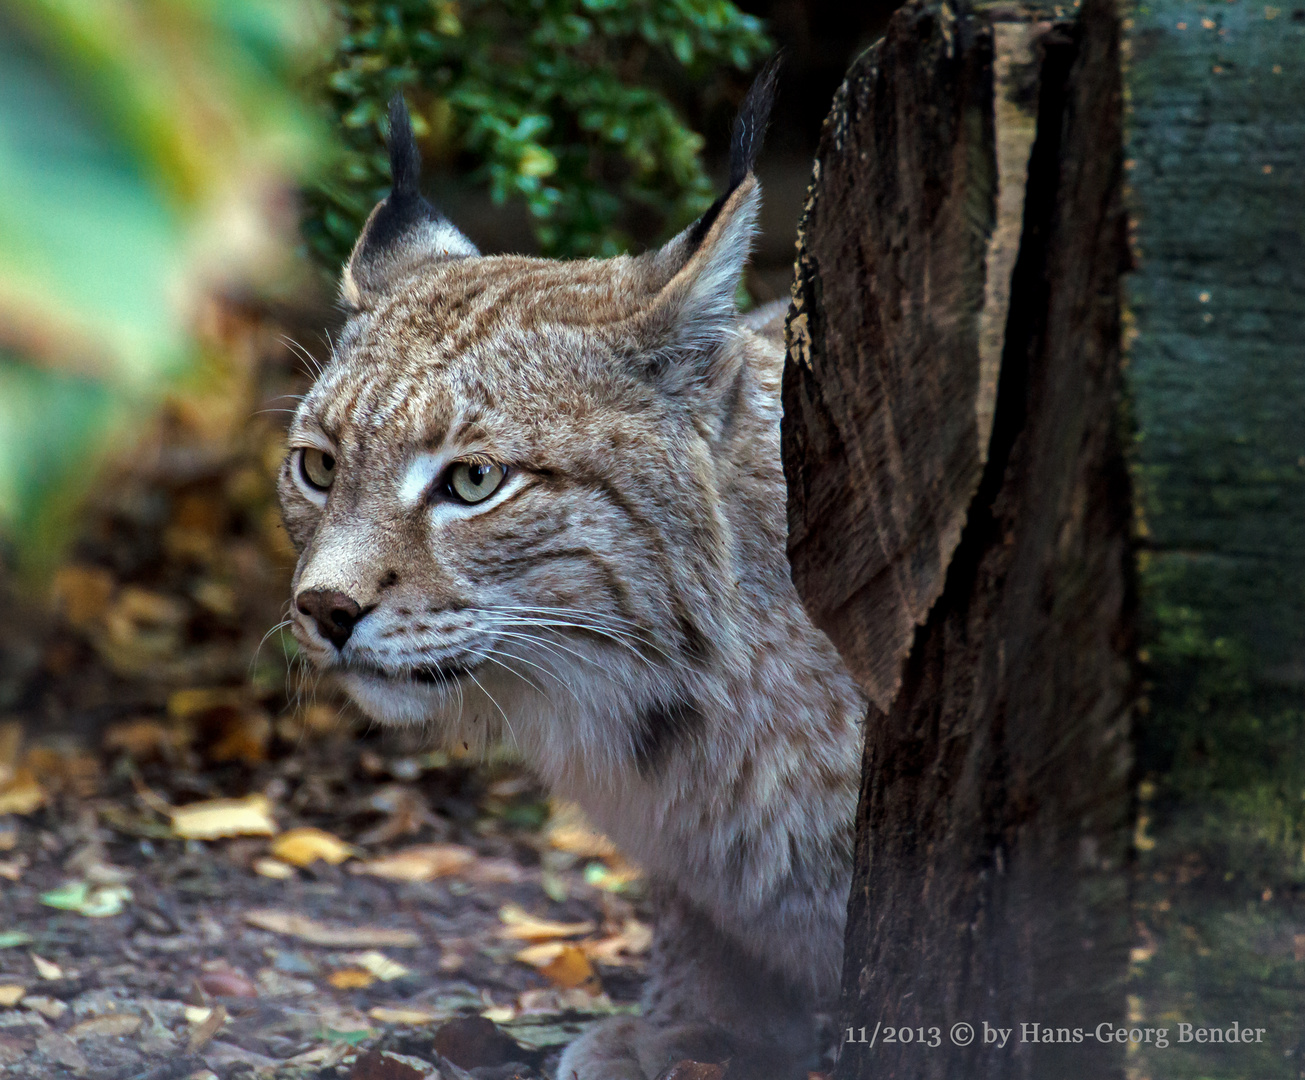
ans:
(542, 502)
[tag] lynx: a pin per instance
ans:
(542, 502)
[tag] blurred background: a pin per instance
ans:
(183, 178)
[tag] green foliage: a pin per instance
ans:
(559, 103)
(137, 143)
(1219, 741)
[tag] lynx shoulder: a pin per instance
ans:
(542, 501)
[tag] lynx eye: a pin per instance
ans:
(317, 467)
(473, 481)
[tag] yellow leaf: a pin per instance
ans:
(217, 818)
(401, 1016)
(303, 847)
(500, 1014)
(11, 995)
(273, 868)
(571, 969)
(519, 923)
(351, 979)
(380, 965)
(47, 969)
(422, 862)
(22, 794)
(569, 831)
(635, 938)
(540, 955)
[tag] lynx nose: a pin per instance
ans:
(334, 612)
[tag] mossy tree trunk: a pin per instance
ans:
(959, 521)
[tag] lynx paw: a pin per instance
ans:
(626, 1048)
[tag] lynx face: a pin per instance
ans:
(506, 486)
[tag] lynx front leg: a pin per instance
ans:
(708, 999)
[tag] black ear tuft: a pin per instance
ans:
(403, 232)
(752, 120)
(745, 142)
(405, 161)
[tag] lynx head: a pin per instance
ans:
(505, 486)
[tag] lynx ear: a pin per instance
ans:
(404, 230)
(697, 273)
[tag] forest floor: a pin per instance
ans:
(208, 864)
(210, 867)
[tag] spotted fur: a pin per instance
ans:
(620, 608)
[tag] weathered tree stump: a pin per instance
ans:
(959, 521)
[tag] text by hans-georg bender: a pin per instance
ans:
(1107, 1033)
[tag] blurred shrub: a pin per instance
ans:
(1226, 749)
(140, 145)
(564, 104)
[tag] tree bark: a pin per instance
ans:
(959, 523)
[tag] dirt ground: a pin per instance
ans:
(208, 865)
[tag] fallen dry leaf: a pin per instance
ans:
(540, 955)
(520, 924)
(499, 1014)
(50, 1008)
(321, 1056)
(569, 831)
(634, 939)
(202, 1032)
(422, 862)
(273, 868)
(22, 793)
(351, 979)
(47, 969)
(563, 965)
(303, 847)
(380, 965)
(494, 872)
(111, 1025)
(215, 819)
(11, 994)
(226, 982)
(412, 1017)
(343, 937)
